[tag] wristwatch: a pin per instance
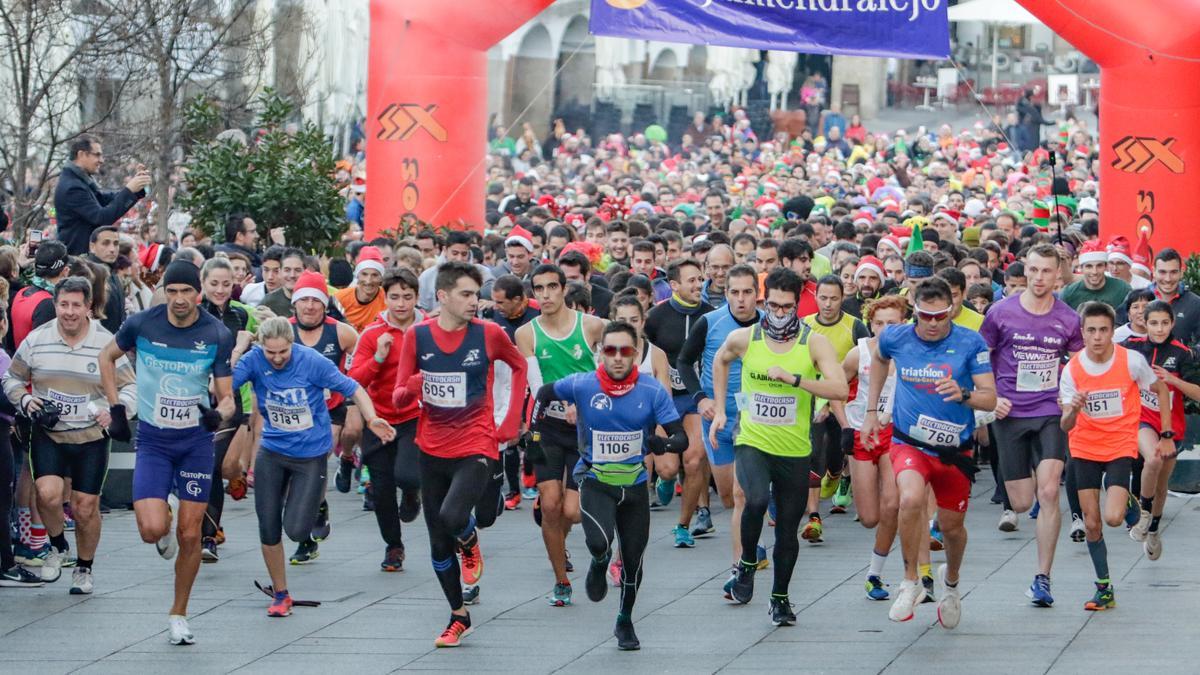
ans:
(799, 379)
(1168, 435)
(966, 395)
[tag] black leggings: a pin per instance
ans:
(627, 509)
(760, 475)
(827, 454)
(491, 500)
(450, 490)
(7, 464)
(512, 467)
(216, 495)
(393, 466)
(287, 495)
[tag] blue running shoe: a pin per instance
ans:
(936, 541)
(665, 490)
(1133, 512)
(560, 596)
(733, 574)
(1033, 513)
(763, 561)
(704, 524)
(529, 493)
(683, 538)
(1039, 592)
(875, 589)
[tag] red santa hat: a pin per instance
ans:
(369, 258)
(1142, 254)
(948, 216)
(1093, 251)
(863, 217)
(869, 263)
(766, 205)
(311, 285)
(893, 242)
(519, 236)
(359, 185)
(1119, 250)
(151, 256)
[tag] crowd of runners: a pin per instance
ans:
(793, 327)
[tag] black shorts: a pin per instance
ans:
(1089, 474)
(1024, 442)
(337, 414)
(561, 448)
(86, 464)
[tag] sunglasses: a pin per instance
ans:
(626, 352)
(931, 316)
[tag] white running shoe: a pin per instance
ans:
(949, 609)
(1153, 545)
(168, 546)
(52, 565)
(180, 634)
(909, 596)
(1008, 521)
(1139, 530)
(81, 582)
(1078, 531)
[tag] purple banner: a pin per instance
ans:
(913, 29)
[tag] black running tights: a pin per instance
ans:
(450, 489)
(760, 475)
(627, 510)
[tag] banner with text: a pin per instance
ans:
(914, 29)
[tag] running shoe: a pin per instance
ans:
(1139, 530)
(322, 527)
(761, 556)
(393, 559)
(167, 546)
(1102, 600)
(368, 503)
(281, 606)
(345, 471)
(81, 581)
(208, 550)
(1037, 508)
(782, 613)
(364, 480)
(220, 536)
(742, 589)
(529, 493)
(52, 566)
(771, 510)
(1008, 521)
(470, 560)
(728, 588)
(1133, 511)
(704, 524)
(665, 491)
(512, 501)
(410, 505)
(19, 577)
(875, 588)
(68, 518)
(907, 599)
(560, 596)
(569, 566)
(1078, 531)
(529, 482)
(305, 553)
(30, 557)
(458, 628)
(614, 571)
(949, 609)
(927, 584)
(829, 485)
(69, 559)
(627, 639)
(1039, 592)
(936, 541)
(596, 585)
(236, 489)
(1153, 545)
(683, 538)
(813, 530)
(178, 631)
(470, 594)
(844, 493)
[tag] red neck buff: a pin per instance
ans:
(616, 387)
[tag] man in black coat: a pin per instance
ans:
(81, 205)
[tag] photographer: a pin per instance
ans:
(58, 364)
(81, 205)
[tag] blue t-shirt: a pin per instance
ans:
(613, 431)
(173, 367)
(919, 410)
(292, 399)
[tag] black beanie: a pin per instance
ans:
(182, 272)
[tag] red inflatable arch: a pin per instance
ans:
(1149, 110)
(427, 106)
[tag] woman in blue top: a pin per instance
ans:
(289, 383)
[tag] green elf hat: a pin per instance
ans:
(1068, 206)
(1040, 215)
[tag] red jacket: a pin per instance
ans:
(379, 379)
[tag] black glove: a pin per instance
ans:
(210, 419)
(533, 448)
(47, 417)
(118, 428)
(657, 445)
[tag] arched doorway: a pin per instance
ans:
(576, 66)
(665, 67)
(531, 69)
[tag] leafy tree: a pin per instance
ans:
(282, 177)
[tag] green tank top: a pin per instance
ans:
(560, 358)
(775, 417)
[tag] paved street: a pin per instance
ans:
(374, 622)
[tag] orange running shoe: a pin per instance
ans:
(459, 628)
(471, 561)
(281, 606)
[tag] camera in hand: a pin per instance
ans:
(48, 416)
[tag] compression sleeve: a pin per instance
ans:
(690, 355)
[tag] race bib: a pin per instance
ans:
(444, 390)
(615, 446)
(176, 412)
(1104, 404)
(774, 411)
(72, 407)
(557, 410)
(1149, 399)
(882, 406)
(676, 380)
(933, 431)
(289, 417)
(1037, 375)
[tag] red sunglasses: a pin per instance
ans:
(931, 316)
(626, 352)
